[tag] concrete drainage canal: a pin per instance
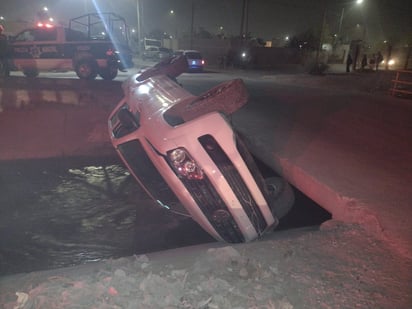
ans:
(64, 212)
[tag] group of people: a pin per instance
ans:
(4, 67)
(373, 62)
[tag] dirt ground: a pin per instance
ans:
(338, 266)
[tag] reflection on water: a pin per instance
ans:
(58, 213)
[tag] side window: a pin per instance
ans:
(25, 36)
(73, 35)
(37, 35)
(45, 34)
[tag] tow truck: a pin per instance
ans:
(93, 44)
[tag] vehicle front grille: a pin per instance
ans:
(143, 168)
(235, 181)
(214, 208)
(124, 122)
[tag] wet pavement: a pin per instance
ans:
(64, 212)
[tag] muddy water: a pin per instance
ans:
(56, 213)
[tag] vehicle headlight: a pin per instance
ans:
(184, 165)
(177, 156)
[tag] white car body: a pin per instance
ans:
(223, 196)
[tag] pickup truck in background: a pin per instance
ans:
(87, 47)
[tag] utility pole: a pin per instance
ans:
(244, 20)
(139, 26)
(192, 24)
(340, 24)
(325, 8)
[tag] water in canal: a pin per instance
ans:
(61, 212)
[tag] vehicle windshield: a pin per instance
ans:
(193, 55)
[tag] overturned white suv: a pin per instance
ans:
(183, 151)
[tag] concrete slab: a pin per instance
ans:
(352, 154)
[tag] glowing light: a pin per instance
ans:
(99, 11)
(163, 205)
(42, 25)
(143, 89)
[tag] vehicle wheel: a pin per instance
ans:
(31, 72)
(281, 196)
(277, 190)
(109, 73)
(86, 69)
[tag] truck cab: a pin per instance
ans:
(49, 48)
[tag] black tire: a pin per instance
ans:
(281, 196)
(110, 72)
(277, 191)
(86, 69)
(30, 73)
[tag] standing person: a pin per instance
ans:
(364, 62)
(379, 59)
(4, 69)
(349, 62)
(372, 61)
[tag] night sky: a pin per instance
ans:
(267, 18)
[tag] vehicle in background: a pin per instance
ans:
(157, 53)
(150, 53)
(87, 47)
(164, 53)
(147, 43)
(194, 58)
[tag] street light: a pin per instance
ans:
(174, 21)
(358, 2)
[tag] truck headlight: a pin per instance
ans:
(184, 165)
